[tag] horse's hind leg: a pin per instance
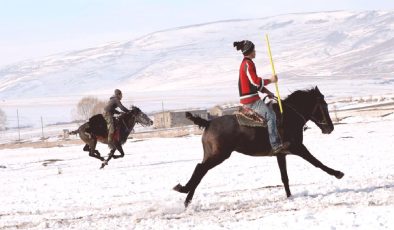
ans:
(283, 173)
(199, 172)
(90, 142)
(95, 154)
(86, 148)
(92, 150)
(197, 176)
(303, 152)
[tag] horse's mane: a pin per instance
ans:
(122, 115)
(130, 113)
(296, 95)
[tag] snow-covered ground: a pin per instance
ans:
(62, 188)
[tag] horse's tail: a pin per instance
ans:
(202, 123)
(74, 132)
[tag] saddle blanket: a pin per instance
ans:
(248, 117)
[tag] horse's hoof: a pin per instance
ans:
(339, 175)
(102, 166)
(187, 202)
(180, 188)
(177, 187)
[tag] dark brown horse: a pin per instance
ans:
(223, 135)
(96, 130)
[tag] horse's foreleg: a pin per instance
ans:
(120, 149)
(110, 155)
(283, 173)
(303, 152)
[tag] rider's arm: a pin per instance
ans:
(253, 78)
(124, 109)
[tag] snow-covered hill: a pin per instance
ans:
(344, 53)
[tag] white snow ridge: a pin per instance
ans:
(344, 53)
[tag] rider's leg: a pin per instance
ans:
(111, 129)
(261, 108)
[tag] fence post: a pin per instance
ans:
(19, 132)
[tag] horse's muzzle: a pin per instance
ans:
(328, 129)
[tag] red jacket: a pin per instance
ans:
(249, 83)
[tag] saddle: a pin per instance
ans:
(98, 127)
(248, 117)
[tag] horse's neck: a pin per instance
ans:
(299, 110)
(125, 128)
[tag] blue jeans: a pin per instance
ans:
(261, 108)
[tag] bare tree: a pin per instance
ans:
(89, 106)
(98, 108)
(3, 120)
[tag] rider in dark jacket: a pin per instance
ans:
(110, 110)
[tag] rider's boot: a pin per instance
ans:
(280, 148)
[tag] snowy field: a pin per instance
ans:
(63, 188)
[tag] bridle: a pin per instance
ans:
(318, 105)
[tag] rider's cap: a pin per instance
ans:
(245, 46)
(118, 92)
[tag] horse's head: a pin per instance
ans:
(140, 117)
(320, 115)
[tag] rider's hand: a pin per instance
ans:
(274, 78)
(270, 95)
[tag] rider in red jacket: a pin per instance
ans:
(250, 85)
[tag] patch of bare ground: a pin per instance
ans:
(39, 144)
(157, 133)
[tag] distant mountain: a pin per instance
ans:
(344, 53)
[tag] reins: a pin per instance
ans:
(324, 122)
(124, 123)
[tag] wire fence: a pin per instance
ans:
(36, 133)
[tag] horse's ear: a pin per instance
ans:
(318, 93)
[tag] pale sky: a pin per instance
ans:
(37, 28)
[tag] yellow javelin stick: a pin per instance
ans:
(273, 71)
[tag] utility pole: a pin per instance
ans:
(19, 132)
(42, 128)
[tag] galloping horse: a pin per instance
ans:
(223, 135)
(96, 130)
